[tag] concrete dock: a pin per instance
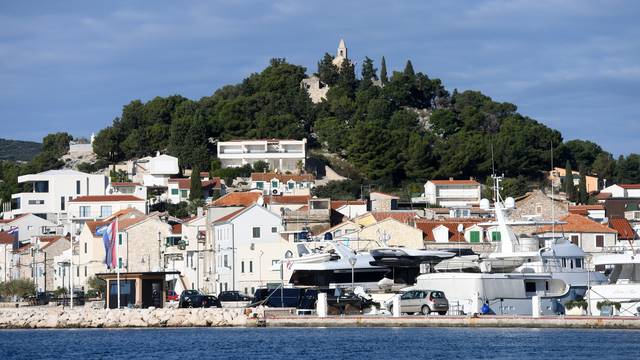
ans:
(583, 322)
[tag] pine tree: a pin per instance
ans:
(196, 185)
(383, 72)
(569, 187)
(583, 196)
(408, 70)
(368, 71)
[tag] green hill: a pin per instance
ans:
(18, 149)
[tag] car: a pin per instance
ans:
(421, 301)
(195, 299)
(233, 296)
(172, 295)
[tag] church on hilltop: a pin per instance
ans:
(316, 89)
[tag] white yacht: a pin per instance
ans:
(623, 285)
(517, 271)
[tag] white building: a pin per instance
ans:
(623, 190)
(127, 188)
(452, 193)
(180, 189)
(243, 242)
(282, 155)
(84, 208)
(29, 226)
(49, 192)
(283, 184)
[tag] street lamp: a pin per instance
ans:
(352, 261)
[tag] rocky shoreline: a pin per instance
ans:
(49, 318)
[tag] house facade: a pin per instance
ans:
(85, 208)
(180, 189)
(238, 239)
(127, 188)
(50, 192)
(29, 225)
(538, 206)
(282, 155)
(282, 184)
(591, 236)
(558, 174)
(452, 193)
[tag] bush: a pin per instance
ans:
(575, 304)
(60, 292)
(604, 303)
(96, 285)
(18, 287)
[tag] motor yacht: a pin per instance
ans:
(623, 283)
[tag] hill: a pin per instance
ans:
(18, 149)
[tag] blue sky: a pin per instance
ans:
(72, 65)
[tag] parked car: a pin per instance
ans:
(421, 301)
(172, 295)
(233, 296)
(195, 299)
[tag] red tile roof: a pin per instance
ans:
(404, 217)
(584, 209)
(121, 213)
(238, 199)
(603, 196)
(384, 194)
(106, 198)
(283, 178)
(230, 216)
(185, 183)
(623, 227)
(6, 238)
(176, 229)
(287, 199)
(52, 241)
(336, 204)
(93, 225)
(578, 224)
(629, 186)
(455, 182)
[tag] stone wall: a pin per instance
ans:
(56, 317)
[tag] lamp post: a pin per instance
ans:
(352, 261)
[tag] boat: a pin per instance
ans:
(517, 271)
(623, 284)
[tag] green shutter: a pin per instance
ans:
(475, 236)
(174, 192)
(495, 236)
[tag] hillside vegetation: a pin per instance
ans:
(18, 149)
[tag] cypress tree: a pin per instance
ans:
(569, 187)
(408, 70)
(383, 72)
(196, 185)
(583, 196)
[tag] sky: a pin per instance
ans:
(70, 66)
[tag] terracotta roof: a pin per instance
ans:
(106, 198)
(287, 199)
(185, 183)
(603, 196)
(455, 182)
(6, 238)
(7, 221)
(629, 186)
(336, 204)
(23, 248)
(427, 227)
(384, 194)
(257, 176)
(121, 213)
(122, 224)
(230, 216)
(402, 216)
(238, 199)
(125, 183)
(577, 224)
(623, 227)
(584, 209)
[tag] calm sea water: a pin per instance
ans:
(351, 343)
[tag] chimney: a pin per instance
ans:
(450, 178)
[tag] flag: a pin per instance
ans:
(13, 231)
(108, 233)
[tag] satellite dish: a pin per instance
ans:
(460, 228)
(510, 203)
(484, 204)
(260, 201)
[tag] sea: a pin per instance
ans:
(320, 343)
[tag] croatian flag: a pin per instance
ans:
(16, 241)
(108, 233)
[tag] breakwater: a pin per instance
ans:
(54, 317)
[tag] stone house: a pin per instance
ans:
(536, 205)
(389, 230)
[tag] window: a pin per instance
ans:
(274, 262)
(175, 191)
(41, 186)
(564, 262)
(242, 266)
(184, 193)
(274, 184)
(538, 209)
(33, 202)
(105, 210)
(274, 229)
(62, 203)
(84, 211)
(256, 232)
(578, 263)
(529, 286)
(574, 239)
(260, 184)
(291, 185)
(78, 271)
(226, 286)
(119, 239)
(599, 241)
(119, 263)
(250, 266)
(495, 236)
(246, 290)
(474, 236)
(85, 270)
(253, 290)
(77, 187)
(173, 240)
(226, 261)
(85, 248)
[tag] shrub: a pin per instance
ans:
(576, 303)
(604, 303)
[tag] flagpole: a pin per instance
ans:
(117, 261)
(71, 268)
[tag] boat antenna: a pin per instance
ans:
(553, 207)
(493, 165)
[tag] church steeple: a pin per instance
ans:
(342, 50)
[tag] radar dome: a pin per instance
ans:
(484, 204)
(510, 203)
